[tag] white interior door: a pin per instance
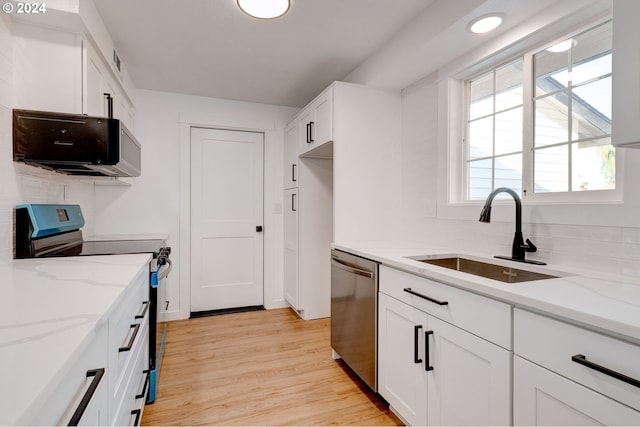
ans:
(226, 209)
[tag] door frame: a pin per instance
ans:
(272, 196)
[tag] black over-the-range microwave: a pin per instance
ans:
(75, 144)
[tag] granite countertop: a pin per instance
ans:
(49, 309)
(606, 303)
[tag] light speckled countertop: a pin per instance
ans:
(49, 309)
(602, 302)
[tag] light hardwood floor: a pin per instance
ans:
(258, 368)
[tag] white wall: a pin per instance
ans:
(26, 184)
(158, 201)
(607, 243)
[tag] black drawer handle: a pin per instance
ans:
(137, 413)
(129, 346)
(84, 403)
(416, 334)
(435, 301)
(293, 172)
(582, 359)
(427, 366)
(144, 310)
(144, 387)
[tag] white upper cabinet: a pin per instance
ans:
(626, 74)
(66, 65)
(47, 72)
(316, 123)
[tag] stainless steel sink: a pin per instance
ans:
(484, 269)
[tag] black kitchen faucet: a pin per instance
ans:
(519, 247)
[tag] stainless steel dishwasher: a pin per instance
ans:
(354, 317)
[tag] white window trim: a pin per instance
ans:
(585, 208)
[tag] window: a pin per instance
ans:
(568, 117)
(494, 129)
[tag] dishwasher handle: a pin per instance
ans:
(346, 267)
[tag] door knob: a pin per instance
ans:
(259, 228)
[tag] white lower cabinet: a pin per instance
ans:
(402, 379)
(128, 352)
(82, 395)
(434, 373)
(567, 375)
(544, 398)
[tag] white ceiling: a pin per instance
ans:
(211, 48)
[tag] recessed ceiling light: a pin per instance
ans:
(264, 9)
(562, 46)
(484, 24)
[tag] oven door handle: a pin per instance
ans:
(164, 272)
(351, 269)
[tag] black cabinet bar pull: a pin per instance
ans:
(416, 334)
(311, 124)
(427, 366)
(582, 360)
(144, 387)
(136, 412)
(144, 310)
(84, 403)
(293, 202)
(293, 172)
(109, 99)
(129, 346)
(308, 133)
(435, 301)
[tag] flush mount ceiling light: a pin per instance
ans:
(264, 9)
(562, 46)
(484, 24)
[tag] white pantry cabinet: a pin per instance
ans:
(433, 372)
(568, 375)
(307, 260)
(348, 131)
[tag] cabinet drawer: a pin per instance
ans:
(565, 348)
(133, 383)
(481, 316)
(85, 377)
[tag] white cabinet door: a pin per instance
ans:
(470, 383)
(291, 290)
(402, 378)
(542, 398)
(47, 69)
(95, 92)
(316, 123)
(322, 129)
(291, 137)
(305, 124)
